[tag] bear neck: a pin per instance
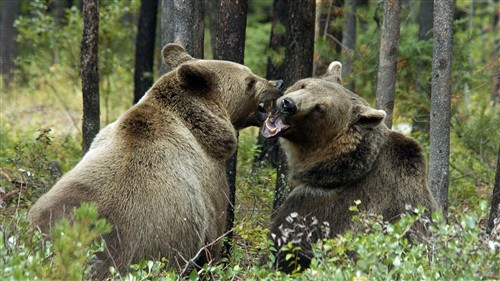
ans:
(203, 114)
(338, 163)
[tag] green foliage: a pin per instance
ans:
(256, 47)
(49, 54)
(116, 49)
(45, 42)
(64, 257)
(254, 183)
(21, 256)
(72, 243)
(384, 251)
(257, 35)
(30, 168)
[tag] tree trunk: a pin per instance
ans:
(439, 153)
(230, 45)
(388, 58)
(349, 38)
(495, 199)
(495, 93)
(422, 86)
(298, 64)
(275, 71)
(8, 49)
(231, 30)
(90, 73)
(145, 48)
(182, 23)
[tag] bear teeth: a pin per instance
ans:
(270, 126)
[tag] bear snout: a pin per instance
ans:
(287, 107)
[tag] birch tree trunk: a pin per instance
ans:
(145, 48)
(388, 58)
(439, 154)
(182, 23)
(230, 45)
(90, 73)
(298, 64)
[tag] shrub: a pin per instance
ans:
(65, 257)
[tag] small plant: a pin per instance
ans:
(383, 251)
(28, 172)
(66, 256)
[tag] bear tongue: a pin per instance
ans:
(273, 126)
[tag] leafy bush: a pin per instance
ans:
(65, 257)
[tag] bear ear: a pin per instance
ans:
(193, 77)
(174, 55)
(334, 72)
(369, 117)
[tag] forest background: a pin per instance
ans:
(41, 117)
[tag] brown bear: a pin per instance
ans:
(157, 174)
(338, 150)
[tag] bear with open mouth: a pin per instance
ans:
(338, 151)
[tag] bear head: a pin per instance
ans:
(238, 89)
(317, 112)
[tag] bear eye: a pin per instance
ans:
(250, 83)
(303, 86)
(319, 108)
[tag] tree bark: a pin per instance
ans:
(388, 58)
(349, 38)
(231, 30)
(495, 93)
(275, 70)
(8, 49)
(495, 198)
(182, 23)
(298, 64)
(422, 86)
(90, 73)
(230, 45)
(145, 48)
(439, 152)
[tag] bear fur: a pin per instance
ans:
(157, 174)
(338, 150)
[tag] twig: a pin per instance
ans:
(192, 260)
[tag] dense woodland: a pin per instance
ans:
(69, 67)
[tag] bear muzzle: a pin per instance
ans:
(287, 107)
